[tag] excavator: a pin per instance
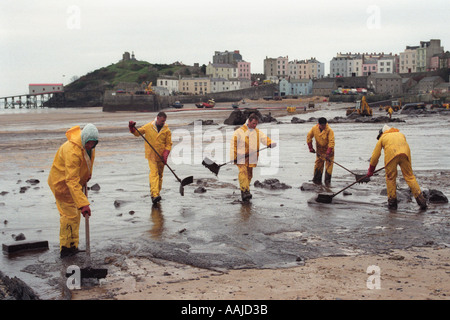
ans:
(396, 105)
(362, 107)
(148, 88)
(437, 103)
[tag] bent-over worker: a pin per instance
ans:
(324, 136)
(70, 171)
(245, 146)
(158, 134)
(396, 153)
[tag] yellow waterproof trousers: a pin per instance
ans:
(155, 177)
(245, 177)
(391, 176)
(69, 219)
(319, 165)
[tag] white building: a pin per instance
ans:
(170, 83)
(386, 65)
(37, 88)
(222, 84)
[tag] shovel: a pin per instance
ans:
(214, 167)
(88, 271)
(327, 198)
(357, 176)
(183, 182)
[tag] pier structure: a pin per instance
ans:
(37, 100)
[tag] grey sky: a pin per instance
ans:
(51, 41)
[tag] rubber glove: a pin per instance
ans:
(311, 149)
(165, 155)
(370, 171)
(131, 126)
(329, 152)
(86, 210)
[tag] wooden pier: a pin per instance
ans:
(39, 100)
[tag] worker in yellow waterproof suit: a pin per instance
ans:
(245, 145)
(390, 111)
(396, 153)
(70, 171)
(159, 136)
(324, 136)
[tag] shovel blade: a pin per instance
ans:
(362, 178)
(86, 273)
(324, 198)
(185, 182)
(211, 165)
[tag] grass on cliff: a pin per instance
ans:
(123, 71)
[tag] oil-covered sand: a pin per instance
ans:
(207, 244)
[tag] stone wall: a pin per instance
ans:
(129, 102)
(151, 103)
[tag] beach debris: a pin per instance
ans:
(435, 196)
(95, 187)
(200, 190)
(273, 184)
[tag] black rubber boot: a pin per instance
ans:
(157, 199)
(421, 201)
(246, 195)
(392, 204)
(317, 179)
(327, 178)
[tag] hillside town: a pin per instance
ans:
(418, 69)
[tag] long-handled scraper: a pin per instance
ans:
(183, 182)
(88, 271)
(327, 198)
(357, 176)
(214, 167)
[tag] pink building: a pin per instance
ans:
(434, 63)
(244, 70)
(369, 67)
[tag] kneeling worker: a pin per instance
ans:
(70, 171)
(396, 153)
(245, 146)
(159, 136)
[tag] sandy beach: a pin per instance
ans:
(410, 273)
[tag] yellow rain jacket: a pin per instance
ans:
(324, 139)
(161, 140)
(246, 141)
(71, 170)
(394, 143)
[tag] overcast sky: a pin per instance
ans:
(51, 41)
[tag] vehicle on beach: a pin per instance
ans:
(210, 104)
(177, 104)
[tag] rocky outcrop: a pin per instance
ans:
(239, 117)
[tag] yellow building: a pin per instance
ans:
(194, 85)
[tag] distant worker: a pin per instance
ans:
(245, 146)
(324, 136)
(390, 111)
(70, 171)
(158, 134)
(396, 153)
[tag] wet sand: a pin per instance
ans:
(412, 272)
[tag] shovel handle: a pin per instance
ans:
(359, 180)
(179, 180)
(320, 156)
(86, 224)
(245, 155)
